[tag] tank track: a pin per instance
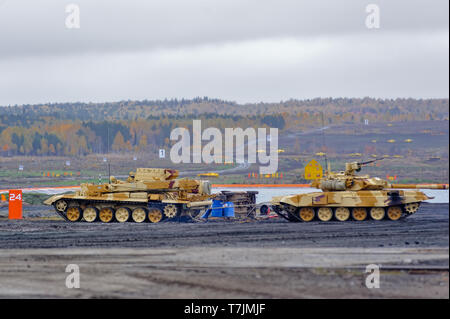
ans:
(118, 204)
(293, 214)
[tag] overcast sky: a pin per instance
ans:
(239, 50)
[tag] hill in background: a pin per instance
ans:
(74, 129)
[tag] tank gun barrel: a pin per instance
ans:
(371, 161)
(419, 186)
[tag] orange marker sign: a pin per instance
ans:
(15, 204)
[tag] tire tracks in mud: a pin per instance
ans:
(428, 227)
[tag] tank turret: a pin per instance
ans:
(349, 180)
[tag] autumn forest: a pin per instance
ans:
(74, 129)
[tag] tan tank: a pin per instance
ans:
(149, 194)
(347, 195)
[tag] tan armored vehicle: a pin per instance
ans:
(347, 195)
(149, 194)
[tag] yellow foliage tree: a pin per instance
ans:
(119, 142)
(142, 143)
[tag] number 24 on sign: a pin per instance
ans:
(15, 204)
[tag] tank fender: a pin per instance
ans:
(299, 200)
(198, 204)
(51, 200)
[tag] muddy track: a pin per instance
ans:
(427, 228)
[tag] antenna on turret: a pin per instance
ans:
(323, 145)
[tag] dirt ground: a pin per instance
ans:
(427, 228)
(225, 259)
(198, 272)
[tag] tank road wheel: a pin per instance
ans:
(74, 213)
(138, 215)
(359, 213)
(342, 214)
(155, 215)
(306, 214)
(90, 214)
(377, 213)
(123, 214)
(106, 214)
(394, 212)
(411, 208)
(170, 211)
(325, 214)
(61, 205)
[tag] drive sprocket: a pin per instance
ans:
(170, 211)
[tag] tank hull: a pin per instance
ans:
(382, 198)
(378, 204)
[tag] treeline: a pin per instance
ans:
(133, 110)
(84, 137)
(141, 126)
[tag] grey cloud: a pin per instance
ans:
(246, 51)
(398, 65)
(37, 27)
